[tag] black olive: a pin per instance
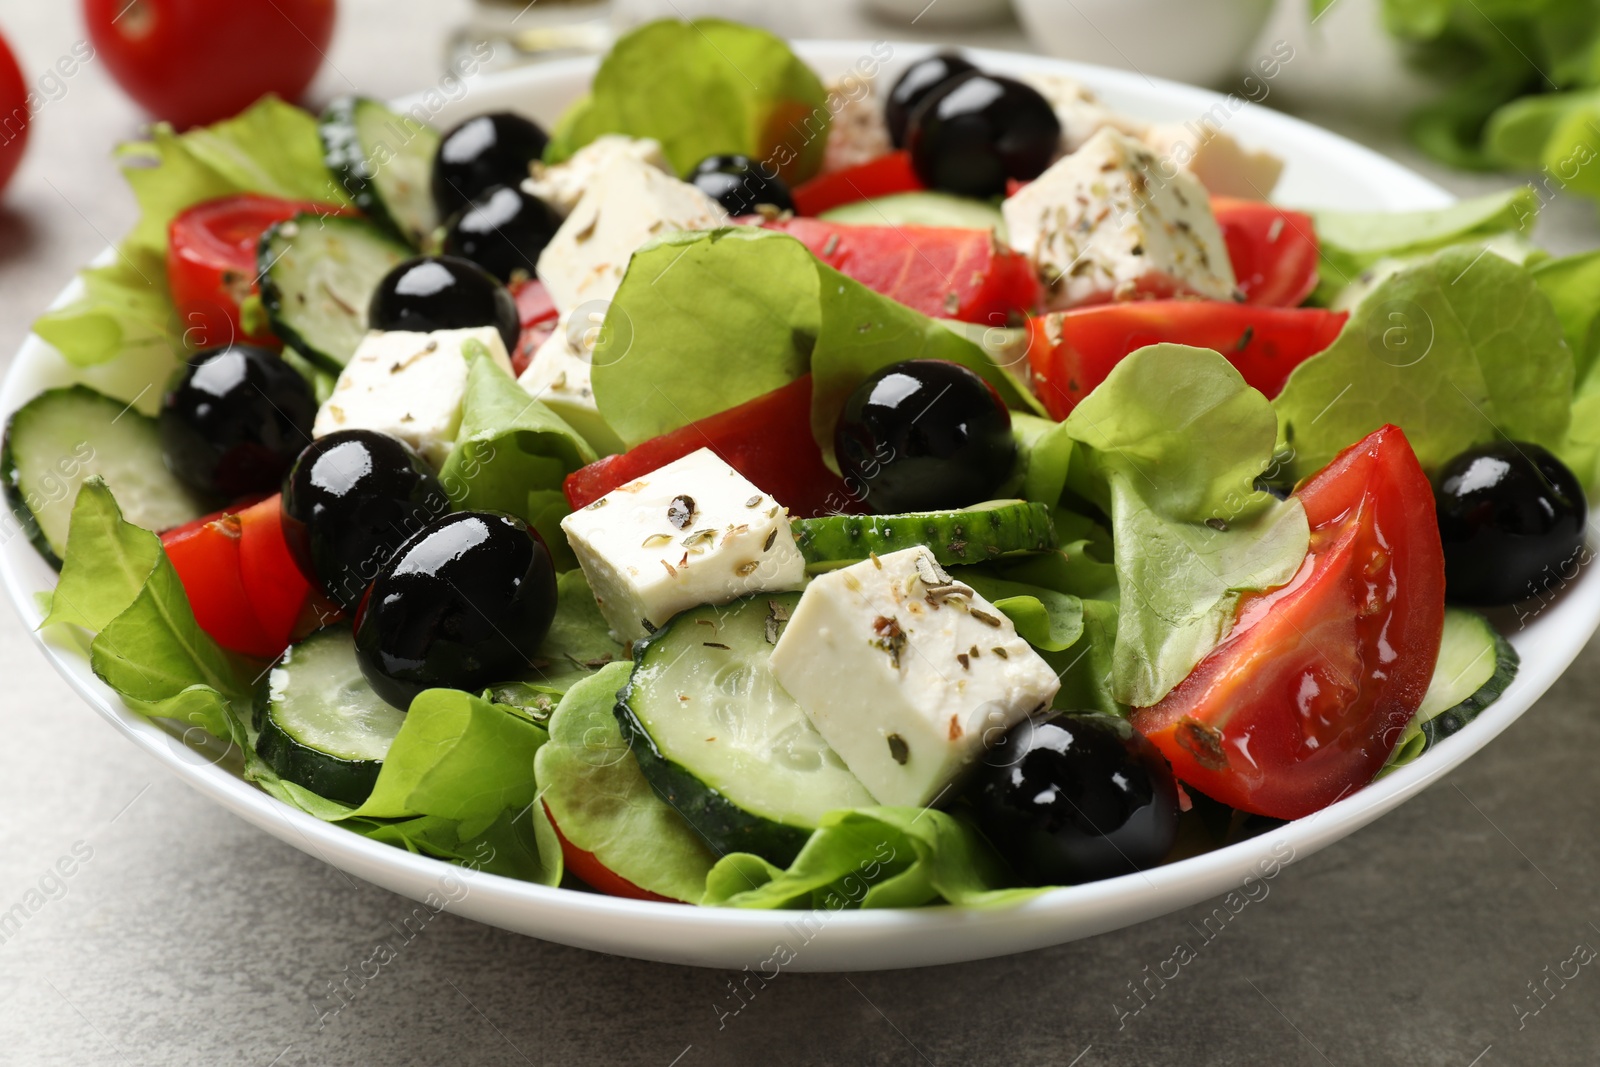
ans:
(975, 133)
(443, 293)
(1075, 798)
(482, 152)
(920, 80)
(462, 605)
(503, 231)
(234, 420)
(740, 184)
(1511, 517)
(349, 501)
(924, 435)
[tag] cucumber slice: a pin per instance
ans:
(60, 438)
(320, 724)
(317, 276)
(1475, 665)
(384, 160)
(721, 741)
(921, 209)
(970, 535)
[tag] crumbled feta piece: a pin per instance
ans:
(410, 385)
(907, 673)
(1080, 111)
(1114, 222)
(562, 185)
(693, 532)
(1223, 165)
(559, 375)
(858, 133)
(628, 205)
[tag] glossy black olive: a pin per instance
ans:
(503, 231)
(482, 152)
(973, 134)
(1511, 517)
(443, 293)
(740, 184)
(462, 605)
(924, 435)
(919, 81)
(234, 420)
(349, 501)
(1075, 798)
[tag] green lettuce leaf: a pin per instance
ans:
(1455, 350)
(272, 148)
(1572, 285)
(703, 88)
(117, 581)
(599, 797)
(579, 642)
(1170, 446)
(1353, 241)
(871, 858)
(662, 362)
(511, 454)
(1049, 620)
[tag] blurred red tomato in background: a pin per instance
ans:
(13, 113)
(197, 61)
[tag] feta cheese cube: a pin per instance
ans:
(858, 133)
(410, 385)
(1113, 222)
(1223, 165)
(559, 375)
(693, 532)
(562, 185)
(1080, 111)
(627, 205)
(906, 673)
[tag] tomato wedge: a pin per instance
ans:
(538, 316)
(768, 440)
(1071, 352)
(884, 176)
(587, 867)
(211, 263)
(206, 557)
(243, 585)
(943, 272)
(1307, 695)
(1274, 251)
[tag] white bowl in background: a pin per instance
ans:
(1204, 42)
(939, 14)
(1323, 170)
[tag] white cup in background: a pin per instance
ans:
(1202, 42)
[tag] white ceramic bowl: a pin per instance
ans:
(1322, 170)
(1201, 41)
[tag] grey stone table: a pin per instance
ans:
(184, 936)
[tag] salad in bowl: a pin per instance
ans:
(751, 491)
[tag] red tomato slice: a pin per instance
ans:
(768, 440)
(1308, 694)
(14, 112)
(884, 176)
(587, 866)
(538, 316)
(1274, 251)
(943, 272)
(206, 557)
(277, 591)
(1071, 352)
(211, 263)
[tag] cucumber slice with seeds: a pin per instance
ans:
(320, 724)
(921, 209)
(384, 160)
(317, 277)
(971, 535)
(721, 741)
(60, 438)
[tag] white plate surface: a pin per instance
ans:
(1323, 171)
